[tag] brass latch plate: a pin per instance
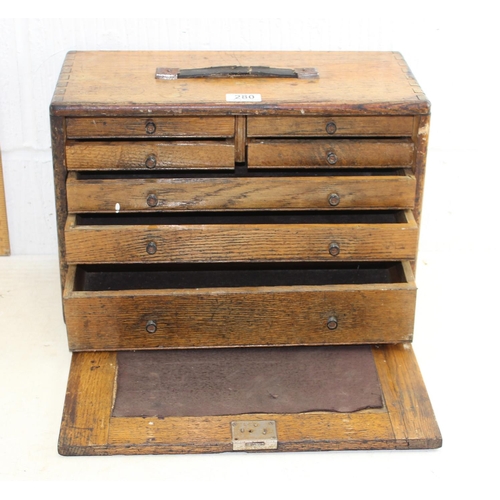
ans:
(254, 435)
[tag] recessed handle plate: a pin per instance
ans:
(235, 72)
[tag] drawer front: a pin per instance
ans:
(330, 154)
(248, 316)
(326, 126)
(210, 126)
(149, 156)
(276, 193)
(229, 242)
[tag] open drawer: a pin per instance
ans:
(98, 418)
(240, 237)
(369, 190)
(180, 306)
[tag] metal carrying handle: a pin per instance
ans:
(235, 72)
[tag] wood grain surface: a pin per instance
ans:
(134, 155)
(159, 127)
(154, 174)
(219, 242)
(353, 83)
(248, 316)
(89, 429)
(388, 191)
(317, 153)
(324, 126)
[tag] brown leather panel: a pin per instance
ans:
(253, 380)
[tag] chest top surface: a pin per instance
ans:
(124, 83)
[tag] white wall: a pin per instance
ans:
(450, 51)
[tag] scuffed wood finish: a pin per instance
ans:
(327, 126)
(275, 193)
(86, 128)
(349, 83)
(138, 155)
(164, 177)
(297, 432)
(239, 242)
(370, 429)
(225, 317)
(240, 137)
(421, 135)
(411, 412)
(58, 137)
(317, 153)
(90, 395)
(4, 229)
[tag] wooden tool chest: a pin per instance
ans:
(262, 205)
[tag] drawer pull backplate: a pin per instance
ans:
(151, 248)
(152, 200)
(151, 326)
(331, 128)
(334, 249)
(334, 199)
(150, 128)
(331, 158)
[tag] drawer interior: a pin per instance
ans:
(206, 218)
(193, 276)
(239, 171)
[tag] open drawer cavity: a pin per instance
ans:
(241, 237)
(178, 306)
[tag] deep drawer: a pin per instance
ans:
(372, 190)
(341, 153)
(149, 155)
(326, 126)
(155, 307)
(210, 126)
(230, 237)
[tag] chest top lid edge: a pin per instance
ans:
(123, 83)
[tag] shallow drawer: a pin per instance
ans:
(229, 237)
(333, 153)
(373, 190)
(325, 126)
(149, 155)
(170, 306)
(210, 126)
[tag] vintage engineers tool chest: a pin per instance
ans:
(238, 234)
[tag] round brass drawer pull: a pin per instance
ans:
(150, 128)
(151, 326)
(332, 323)
(334, 199)
(331, 128)
(334, 249)
(152, 200)
(151, 248)
(331, 158)
(151, 161)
